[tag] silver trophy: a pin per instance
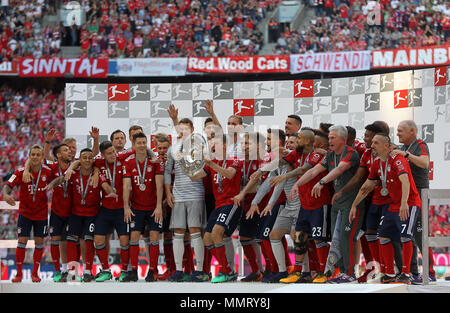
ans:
(191, 154)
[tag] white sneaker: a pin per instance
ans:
(375, 279)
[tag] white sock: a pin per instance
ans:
(278, 252)
(199, 250)
(64, 267)
(178, 250)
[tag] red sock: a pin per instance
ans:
(407, 249)
(273, 261)
(298, 268)
(207, 260)
(222, 258)
(37, 256)
(153, 255)
(187, 259)
(20, 256)
(287, 258)
(266, 257)
(322, 255)
(366, 250)
(191, 258)
(78, 255)
(250, 254)
(312, 257)
(134, 256)
(374, 247)
(387, 254)
(125, 258)
(72, 253)
(90, 254)
(431, 260)
(168, 257)
(55, 253)
(102, 254)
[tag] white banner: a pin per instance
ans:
(152, 67)
(345, 61)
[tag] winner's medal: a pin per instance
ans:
(383, 175)
(142, 186)
(113, 176)
(35, 186)
(219, 179)
(84, 192)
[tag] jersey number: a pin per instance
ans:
(222, 217)
(317, 232)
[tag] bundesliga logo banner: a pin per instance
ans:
(422, 95)
(331, 62)
(243, 64)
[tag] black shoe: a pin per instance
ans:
(386, 279)
(252, 277)
(88, 278)
(131, 276)
(150, 276)
(266, 273)
(63, 278)
(306, 278)
(403, 279)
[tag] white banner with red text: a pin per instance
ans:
(242, 64)
(412, 57)
(151, 67)
(345, 61)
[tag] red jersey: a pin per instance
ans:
(360, 147)
(92, 196)
(143, 200)
(111, 203)
(307, 201)
(248, 168)
(34, 209)
(296, 159)
(367, 160)
(61, 200)
(395, 167)
(230, 187)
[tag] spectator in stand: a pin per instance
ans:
(344, 26)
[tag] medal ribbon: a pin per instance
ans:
(35, 186)
(84, 192)
(383, 174)
(141, 177)
(65, 183)
(113, 178)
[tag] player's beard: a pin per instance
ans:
(299, 148)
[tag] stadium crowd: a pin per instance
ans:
(343, 25)
(24, 116)
(149, 28)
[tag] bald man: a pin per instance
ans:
(417, 154)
